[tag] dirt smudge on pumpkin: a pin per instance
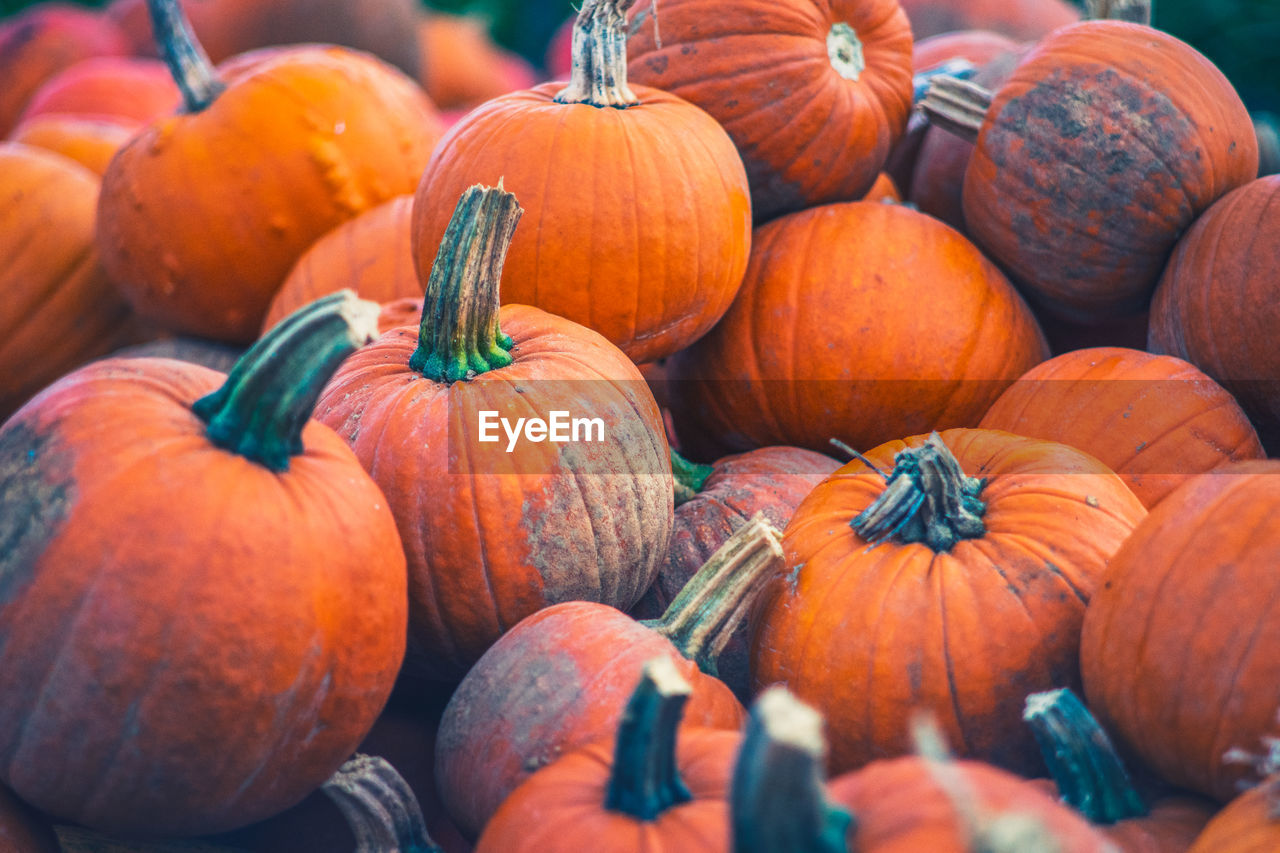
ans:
(36, 493)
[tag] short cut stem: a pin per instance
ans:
(956, 106)
(379, 806)
(645, 779)
(599, 75)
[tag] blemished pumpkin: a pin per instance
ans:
(1083, 204)
(813, 94)
(836, 320)
(958, 587)
(559, 679)
(1153, 419)
(1188, 605)
(269, 624)
(307, 138)
(637, 212)
(653, 788)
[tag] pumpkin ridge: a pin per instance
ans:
(953, 689)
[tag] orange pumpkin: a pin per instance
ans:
(461, 67)
(1019, 19)
(135, 90)
(813, 94)
(1248, 824)
(90, 142)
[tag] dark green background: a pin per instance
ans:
(1241, 36)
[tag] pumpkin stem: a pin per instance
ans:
(1266, 764)
(853, 454)
(1090, 775)
(701, 619)
(956, 68)
(379, 806)
(645, 780)
(690, 477)
(1137, 11)
(926, 499)
(459, 336)
(777, 800)
(956, 106)
(599, 75)
(188, 63)
(260, 411)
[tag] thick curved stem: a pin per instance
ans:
(459, 337)
(645, 780)
(1090, 775)
(259, 412)
(702, 618)
(1136, 11)
(778, 801)
(188, 63)
(956, 68)
(956, 106)
(689, 477)
(599, 75)
(379, 806)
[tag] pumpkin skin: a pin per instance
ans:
(1018, 19)
(926, 339)
(1217, 297)
(88, 141)
(210, 354)
(309, 137)
(42, 40)
(121, 87)
(809, 129)
(461, 67)
(906, 627)
(1159, 130)
(239, 676)
(1205, 557)
(371, 254)
(21, 830)
(1247, 824)
(1155, 420)
(557, 681)
(59, 310)
(644, 240)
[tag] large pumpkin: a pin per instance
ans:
(959, 587)
(638, 217)
(813, 94)
(1153, 419)
(221, 658)
(842, 331)
(1179, 651)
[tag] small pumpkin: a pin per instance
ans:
(133, 89)
(1251, 822)
(88, 141)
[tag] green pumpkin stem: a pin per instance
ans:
(380, 807)
(956, 106)
(599, 75)
(777, 800)
(690, 477)
(1091, 777)
(1135, 11)
(188, 63)
(459, 336)
(270, 393)
(645, 780)
(702, 618)
(927, 499)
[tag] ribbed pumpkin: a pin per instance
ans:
(307, 138)
(1218, 303)
(959, 587)
(220, 661)
(371, 254)
(129, 88)
(1019, 19)
(1179, 651)
(638, 217)
(59, 310)
(1248, 824)
(840, 332)
(88, 141)
(1153, 419)
(813, 94)
(1104, 144)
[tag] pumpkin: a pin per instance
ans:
(957, 586)
(1187, 605)
(88, 141)
(1248, 824)
(883, 190)
(638, 218)
(461, 67)
(269, 630)
(1153, 419)
(1019, 19)
(43, 39)
(652, 788)
(1091, 778)
(1217, 301)
(559, 679)
(1083, 205)
(59, 310)
(813, 94)
(23, 831)
(371, 254)
(210, 354)
(836, 319)
(136, 90)
(307, 138)
(713, 501)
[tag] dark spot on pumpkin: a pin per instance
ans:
(657, 64)
(36, 493)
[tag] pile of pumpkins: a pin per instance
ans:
(931, 346)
